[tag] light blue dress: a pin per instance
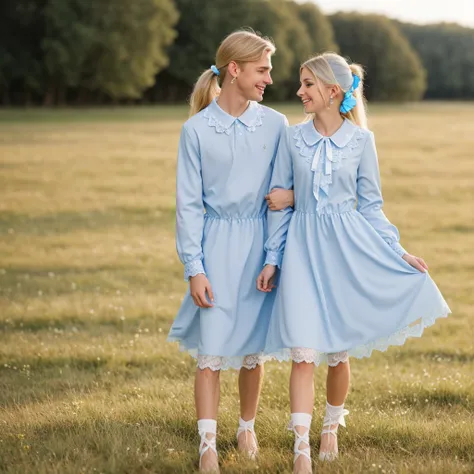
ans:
(223, 174)
(343, 284)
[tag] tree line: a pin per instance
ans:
(55, 52)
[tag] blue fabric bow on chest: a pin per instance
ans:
(322, 166)
(326, 155)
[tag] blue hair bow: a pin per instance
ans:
(215, 70)
(349, 101)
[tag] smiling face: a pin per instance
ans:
(314, 94)
(253, 77)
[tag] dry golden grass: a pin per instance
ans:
(90, 282)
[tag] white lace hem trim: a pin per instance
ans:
(312, 356)
(221, 362)
(381, 344)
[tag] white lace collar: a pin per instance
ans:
(326, 154)
(222, 121)
(340, 137)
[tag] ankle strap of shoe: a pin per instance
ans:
(207, 443)
(300, 438)
(246, 425)
(334, 417)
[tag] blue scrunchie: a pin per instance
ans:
(215, 70)
(349, 101)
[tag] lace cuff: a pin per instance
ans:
(193, 268)
(274, 258)
(398, 249)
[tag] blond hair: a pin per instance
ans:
(332, 69)
(241, 46)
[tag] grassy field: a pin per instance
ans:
(90, 282)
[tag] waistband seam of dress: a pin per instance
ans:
(322, 212)
(251, 218)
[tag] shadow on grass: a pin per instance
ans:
(69, 221)
(32, 380)
(457, 229)
(103, 445)
(75, 323)
(19, 281)
(405, 442)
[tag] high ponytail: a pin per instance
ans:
(242, 46)
(333, 69)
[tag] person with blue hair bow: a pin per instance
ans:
(346, 285)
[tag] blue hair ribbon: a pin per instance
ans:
(349, 101)
(215, 70)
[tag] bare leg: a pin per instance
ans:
(250, 385)
(338, 380)
(206, 395)
(337, 383)
(302, 401)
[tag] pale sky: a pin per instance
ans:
(415, 11)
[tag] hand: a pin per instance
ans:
(199, 285)
(266, 278)
(416, 262)
(279, 199)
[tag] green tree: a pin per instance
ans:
(309, 32)
(112, 47)
(21, 59)
(447, 53)
(204, 24)
(318, 28)
(394, 70)
(130, 46)
(70, 37)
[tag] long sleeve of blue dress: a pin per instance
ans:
(189, 205)
(279, 221)
(369, 196)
